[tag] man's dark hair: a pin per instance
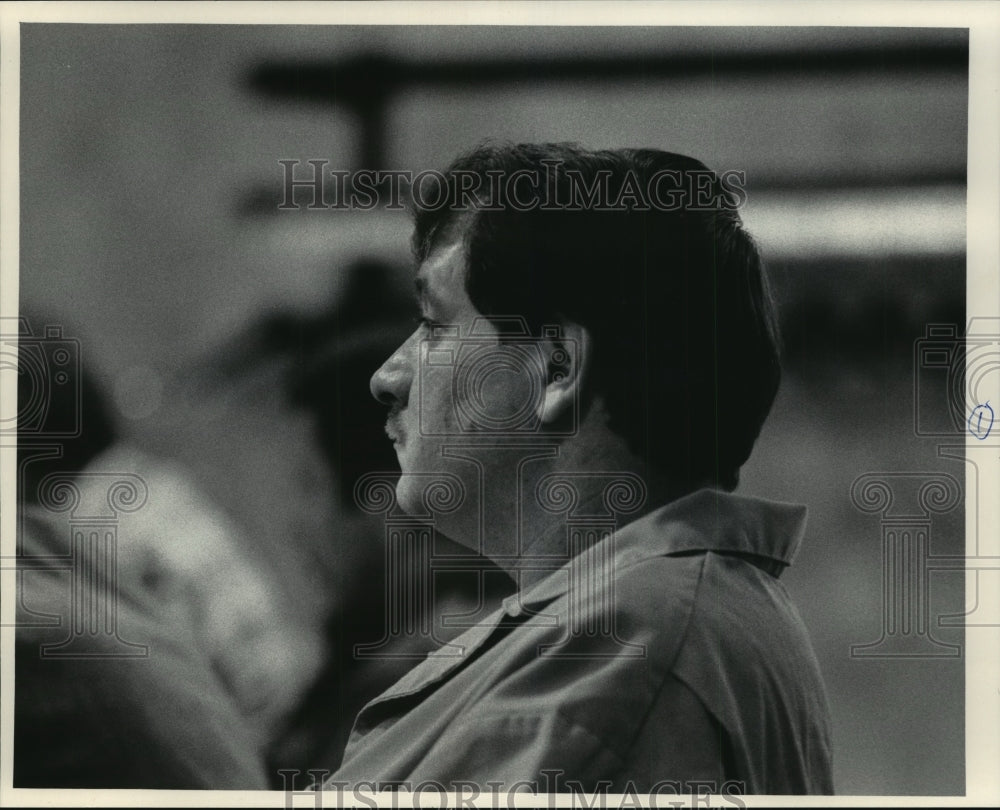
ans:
(684, 331)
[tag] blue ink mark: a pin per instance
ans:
(981, 421)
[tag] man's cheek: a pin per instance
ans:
(501, 401)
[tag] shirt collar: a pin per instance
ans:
(706, 520)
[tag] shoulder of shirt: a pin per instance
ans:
(605, 681)
(643, 611)
(656, 603)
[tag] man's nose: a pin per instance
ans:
(391, 383)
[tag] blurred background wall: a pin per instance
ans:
(150, 231)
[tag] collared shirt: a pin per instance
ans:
(679, 659)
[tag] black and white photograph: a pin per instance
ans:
(497, 404)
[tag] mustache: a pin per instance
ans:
(393, 426)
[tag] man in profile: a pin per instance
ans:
(596, 356)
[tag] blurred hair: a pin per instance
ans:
(81, 401)
(683, 326)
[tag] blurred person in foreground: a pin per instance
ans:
(182, 660)
(220, 669)
(588, 354)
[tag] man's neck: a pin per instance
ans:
(534, 497)
(595, 502)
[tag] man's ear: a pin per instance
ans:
(567, 349)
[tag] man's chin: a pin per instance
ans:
(408, 495)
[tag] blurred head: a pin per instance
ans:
(640, 260)
(43, 401)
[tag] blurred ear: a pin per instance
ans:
(568, 351)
